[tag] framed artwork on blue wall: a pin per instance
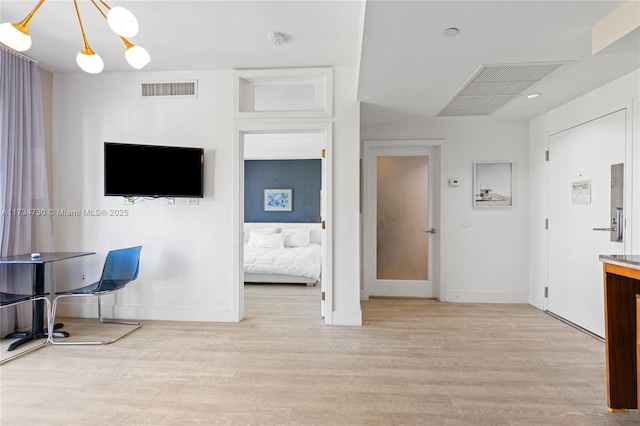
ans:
(278, 200)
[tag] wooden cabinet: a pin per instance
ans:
(621, 287)
(638, 348)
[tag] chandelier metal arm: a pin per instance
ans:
(22, 25)
(100, 10)
(105, 5)
(85, 49)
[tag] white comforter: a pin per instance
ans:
(296, 261)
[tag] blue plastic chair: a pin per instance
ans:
(9, 299)
(120, 268)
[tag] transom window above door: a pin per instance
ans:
(283, 93)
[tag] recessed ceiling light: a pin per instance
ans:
(533, 95)
(450, 32)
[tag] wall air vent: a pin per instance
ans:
(493, 86)
(170, 89)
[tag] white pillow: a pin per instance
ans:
(296, 237)
(275, 241)
(270, 230)
(252, 242)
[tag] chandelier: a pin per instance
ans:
(120, 20)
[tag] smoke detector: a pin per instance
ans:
(276, 38)
(450, 32)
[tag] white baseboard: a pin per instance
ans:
(537, 300)
(463, 296)
(347, 318)
(138, 312)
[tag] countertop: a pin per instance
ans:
(626, 260)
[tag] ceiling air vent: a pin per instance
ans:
(493, 86)
(170, 89)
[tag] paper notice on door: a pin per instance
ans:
(581, 192)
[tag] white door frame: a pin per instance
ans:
(436, 221)
(240, 129)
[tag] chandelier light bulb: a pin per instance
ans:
(90, 62)
(12, 37)
(16, 36)
(137, 56)
(122, 21)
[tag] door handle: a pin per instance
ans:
(618, 224)
(431, 231)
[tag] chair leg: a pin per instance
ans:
(112, 321)
(50, 324)
(41, 345)
(102, 320)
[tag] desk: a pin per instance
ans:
(621, 284)
(37, 331)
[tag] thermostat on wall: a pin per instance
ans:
(454, 182)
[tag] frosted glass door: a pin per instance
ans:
(402, 217)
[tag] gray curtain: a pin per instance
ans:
(25, 225)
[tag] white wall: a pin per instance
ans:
(186, 264)
(282, 146)
(346, 198)
(486, 262)
(624, 92)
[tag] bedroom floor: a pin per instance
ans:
(414, 362)
(283, 301)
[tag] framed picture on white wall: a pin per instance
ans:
(493, 185)
(278, 200)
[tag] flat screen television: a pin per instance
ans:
(132, 170)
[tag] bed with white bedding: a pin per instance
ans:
(282, 252)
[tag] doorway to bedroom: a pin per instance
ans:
(282, 204)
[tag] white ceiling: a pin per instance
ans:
(407, 68)
(408, 65)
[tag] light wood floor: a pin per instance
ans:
(414, 362)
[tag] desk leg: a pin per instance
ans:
(38, 310)
(37, 329)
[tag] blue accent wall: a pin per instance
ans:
(303, 176)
